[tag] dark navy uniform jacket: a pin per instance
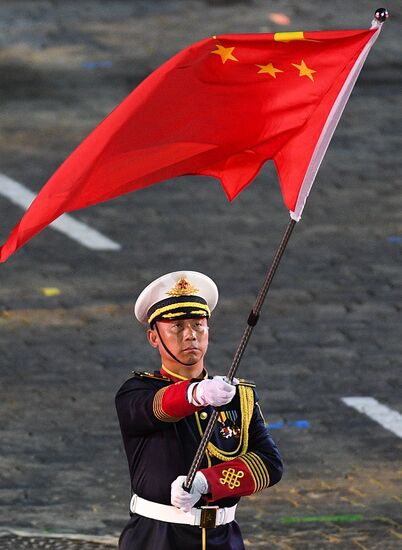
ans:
(161, 432)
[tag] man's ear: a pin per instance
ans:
(153, 338)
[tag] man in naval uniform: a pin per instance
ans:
(163, 416)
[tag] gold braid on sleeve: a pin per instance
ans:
(158, 409)
(257, 469)
(246, 395)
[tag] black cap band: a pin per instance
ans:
(178, 307)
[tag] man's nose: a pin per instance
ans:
(189, 332)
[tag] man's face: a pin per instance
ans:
(187, 339)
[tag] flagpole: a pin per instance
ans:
(251, 323)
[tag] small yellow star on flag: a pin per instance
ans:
(269, 69)
(225, 53)
(304, 70)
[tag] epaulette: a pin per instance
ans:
(153, 375)
(247, 383)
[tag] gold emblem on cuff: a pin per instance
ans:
(231, 478)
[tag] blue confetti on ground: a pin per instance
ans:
(394, 239)
(91, 65)
(301, 424)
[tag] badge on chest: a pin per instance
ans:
(227, 424)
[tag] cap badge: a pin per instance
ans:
(183, 287)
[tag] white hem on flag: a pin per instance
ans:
(330, 126)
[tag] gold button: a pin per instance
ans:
(203, 415)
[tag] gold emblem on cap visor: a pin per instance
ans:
(183, 287)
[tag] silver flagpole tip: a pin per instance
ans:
(381, 15)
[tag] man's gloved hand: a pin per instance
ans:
(183, 500)
(215, 392)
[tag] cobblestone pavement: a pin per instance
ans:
(331, 327)
(11, 542)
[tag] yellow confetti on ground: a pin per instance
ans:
(357, 492)
(50, 291)
(396, 534)
(73, 317)
(360, 544)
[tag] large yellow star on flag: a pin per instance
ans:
(304, 70)
(269, 69)
(225, 53)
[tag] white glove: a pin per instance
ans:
(215, 392)
(183, 500)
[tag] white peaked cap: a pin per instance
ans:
(179, 294)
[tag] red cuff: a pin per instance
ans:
(241, 476)
(171, 404)
(232, 478)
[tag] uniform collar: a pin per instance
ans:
(178, 377)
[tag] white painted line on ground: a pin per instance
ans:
(78, 231)
(388, 418)
(106, 540)
(83, 234)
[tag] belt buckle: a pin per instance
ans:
(208, 516)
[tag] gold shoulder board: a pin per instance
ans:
(247, 383)
(152, 375)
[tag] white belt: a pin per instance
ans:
(207, 516)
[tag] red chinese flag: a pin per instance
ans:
(221, 108)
